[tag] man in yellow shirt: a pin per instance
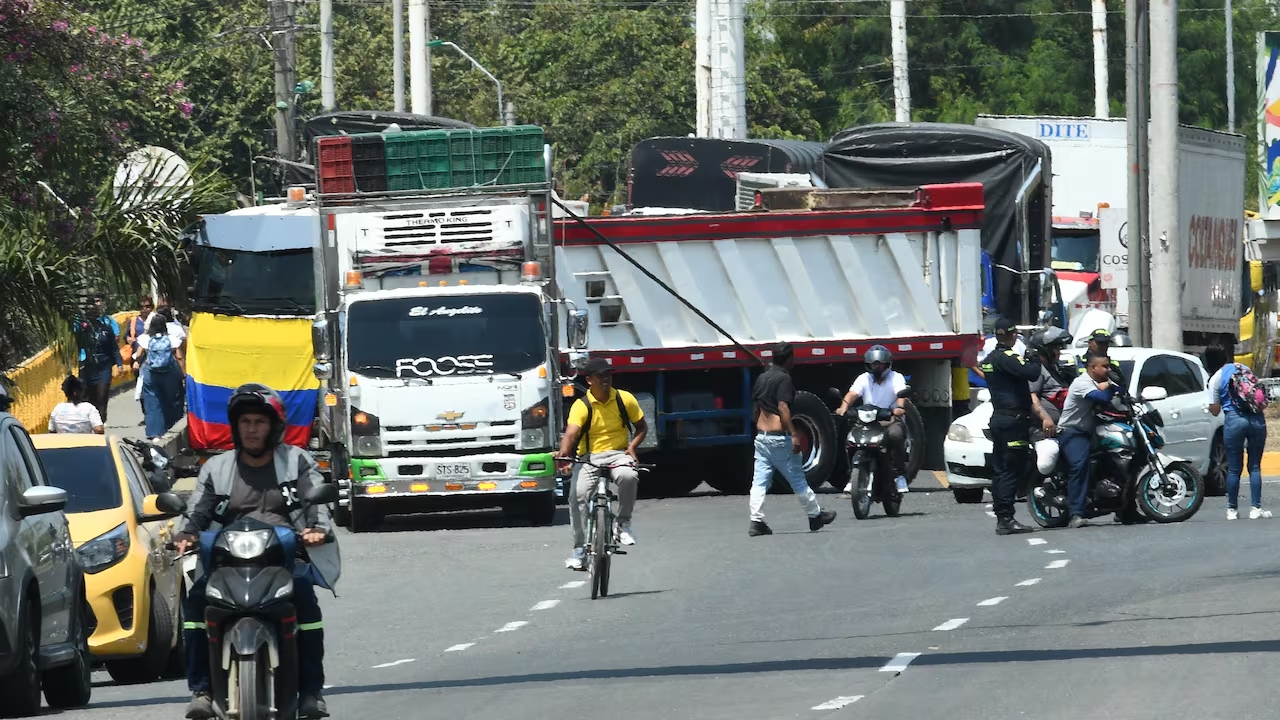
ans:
(608, 417)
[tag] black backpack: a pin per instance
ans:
(622, 412)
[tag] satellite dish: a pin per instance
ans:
(152, 173)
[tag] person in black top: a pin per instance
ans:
(1009, 378)
(1099, 344)
(777, 447)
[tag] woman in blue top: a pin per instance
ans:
(1240, 427)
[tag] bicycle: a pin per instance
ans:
(600, 514)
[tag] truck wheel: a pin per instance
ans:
(915, 441)
(342, 515)
(363, 517)
(729, 469)
(816, 431)
(967, 496)
(542, 508)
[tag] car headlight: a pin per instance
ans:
(247, 544)
(959, 433)
(105, 550)
(867, 415)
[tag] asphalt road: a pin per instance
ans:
(929, 615)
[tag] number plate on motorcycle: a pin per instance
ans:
(453, 471)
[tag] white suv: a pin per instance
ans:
(1190, 431)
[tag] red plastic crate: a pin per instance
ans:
(338, 185)
(336, 173)
(334, 149)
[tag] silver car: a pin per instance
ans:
(44, 619)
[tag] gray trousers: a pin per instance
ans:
(583, 486)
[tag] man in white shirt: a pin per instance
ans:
(879, 386)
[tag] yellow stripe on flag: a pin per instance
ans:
(228, 352)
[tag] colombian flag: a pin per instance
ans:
(225, 352)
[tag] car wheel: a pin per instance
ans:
(151, 665)
(176, 667)
(20, 689)
(967, 496)
(1215, 480)
(70, 686)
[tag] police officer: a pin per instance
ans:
(1008, 376)
(1099, 344)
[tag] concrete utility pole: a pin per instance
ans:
(702, 66)
(1101, 106)
(281, 18)
(1135, 112)
(1165, 240)
(511, 114)
(419, 58)
(898, 36)
(397, 47)
(328, 94)
(728, 70)
(1231, 69)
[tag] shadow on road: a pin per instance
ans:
(491, 519)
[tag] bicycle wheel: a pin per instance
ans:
(599, 552)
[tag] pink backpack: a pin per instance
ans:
(1247, 392)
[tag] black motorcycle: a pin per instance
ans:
(251, 619)
(158, 465)
(869, 469)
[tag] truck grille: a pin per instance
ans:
(446, 452)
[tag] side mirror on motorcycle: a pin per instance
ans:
(1152, 393)
(905, 392)
(324, 494)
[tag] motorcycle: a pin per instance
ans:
(155, 462)
(1128, 474)
(869, 471)
(250, 618)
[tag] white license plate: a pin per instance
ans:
(453, 471)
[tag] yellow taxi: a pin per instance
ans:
(133, 583)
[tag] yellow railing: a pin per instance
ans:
(40, 383)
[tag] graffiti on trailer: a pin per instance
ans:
(1214, 243)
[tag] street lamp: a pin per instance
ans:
(481, 68)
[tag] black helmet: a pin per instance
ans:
(257, 398)
(878, 354)
(1054, 338)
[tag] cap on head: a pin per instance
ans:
(1100, 336)
(597, 366)
(783, 353)
(1002, 325)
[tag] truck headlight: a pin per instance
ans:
(533, 439)
(105, 550)
(959, 433)
(536, 416)
(367, 446)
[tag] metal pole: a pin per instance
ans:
(426, 30)
(1101, 106)
(397, 47)
(281, 19)
(702, 67)
(418, 57)
(328, 95)
(1133, 89)
(482, 69)
(1231, 70)
(1144, 162)
(898, 35)
(1166, 242)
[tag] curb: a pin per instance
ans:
(1271, 463)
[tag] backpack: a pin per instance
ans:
(160, 354)
(622, 412)
(1247, 392)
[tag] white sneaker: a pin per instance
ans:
(578, 561)
(625, 535)
(902, 485)
(1258, 513)
(1232, 514)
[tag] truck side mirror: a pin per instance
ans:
(320, 336)
(576, 329)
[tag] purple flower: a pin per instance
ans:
(186, 108)
(179, 85)
(60, 26)
(93, 29)
(53, 114)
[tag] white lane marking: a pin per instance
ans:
(1029, 583)
(993, 601)
(573, 584)
(951, 624)
(393, 664)
(1037, 541)
(326, 687)
(545, 605)
(459, 647)
(989, 506)
(990, 514)
(512, 626)
(838, 702)
(1056, 552)
(1056, 564)
(899, 662)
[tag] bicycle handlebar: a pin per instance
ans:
(580, 461)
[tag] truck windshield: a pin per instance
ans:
(239, 282)
(1075, 252)
(422, 337)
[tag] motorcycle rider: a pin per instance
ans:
(1099, 344)
(1049, 391)
(1008, 376)
(1075, 430)
(262, 478)
(880, 386)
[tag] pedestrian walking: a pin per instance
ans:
(138, 328)
(161, 379)
(1009, 378)
(1235, 390)
(97, 335)
(777, 447)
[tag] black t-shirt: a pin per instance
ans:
(258, 496)
(771, 388)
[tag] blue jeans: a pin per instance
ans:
(773, 452)
(1075, 450)
(1238, 431)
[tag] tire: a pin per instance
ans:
(862, 493)
(1215, 481)
(729, 469)
(967, 496)
(176, 667)
(1188, 484)
(251, 688)
(817, 432)
(542, 509)
(363, 517)
(70, 686)
(20, 689)
(153, 661)
(915, 441)
(1044, 513)
(606, 566)
(599, 550)
(892, 507)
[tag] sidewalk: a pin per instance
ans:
(124, 419)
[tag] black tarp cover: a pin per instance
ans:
(911, 154)
(702, 173)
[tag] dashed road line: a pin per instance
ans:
(951, 624)
(899, 662)
(1037, 541)
(1056, 564)
(993, 601)
(990, 513)
(573, 584)
(545, 605)
(1056, 552)
(459, 647)
(393, 664)
(1028, 583)
(838, 703)
(515, 625)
